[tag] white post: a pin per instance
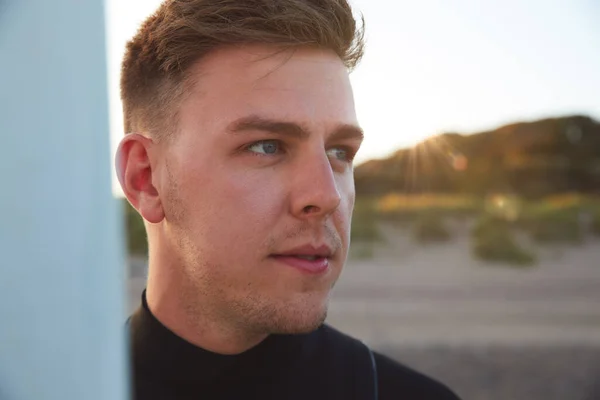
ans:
(62, 313)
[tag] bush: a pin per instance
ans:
(405, 208)
(504, 206)
(364, 222)
(429, 228)
(556, 226)
(135, 231)
(487, 224)
(493, 240)
(595, 225)
(361, 251)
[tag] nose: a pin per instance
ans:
(314, 189)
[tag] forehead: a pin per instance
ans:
(305, 84)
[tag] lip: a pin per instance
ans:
(316, 267)
(309, 250)
(319, 265)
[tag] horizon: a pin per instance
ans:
(431, 68)
(479, 131)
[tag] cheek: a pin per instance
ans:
(343, 219)
(254, 193)
(246, 204)
(348, 194)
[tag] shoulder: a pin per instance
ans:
(394, 380)
(397, 381)
(334, 336)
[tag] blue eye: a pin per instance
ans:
(266, 147)
(341, 154)
(274, 147)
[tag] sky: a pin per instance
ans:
(435, 66)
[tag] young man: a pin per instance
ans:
(241, 134)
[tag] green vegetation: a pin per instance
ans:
(364, 230)
(555, 219)
(500, 220)
(430, 228)
(595, 225)
(364, 222)
(361, 251)
(505, 207)
(530, 159)
(511, 180)
(137, 244)
(556, 227)
(493, 240)
(594, 211)
(413, 208)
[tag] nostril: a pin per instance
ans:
(309, 209)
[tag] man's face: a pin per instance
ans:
(260, 186)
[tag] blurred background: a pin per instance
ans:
(476, 235)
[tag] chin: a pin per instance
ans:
(309, 325)
(297, 321)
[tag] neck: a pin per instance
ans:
(184, 311)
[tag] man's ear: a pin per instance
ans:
(134, 170)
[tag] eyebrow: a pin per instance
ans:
(292, 129)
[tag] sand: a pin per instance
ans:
(491, 332)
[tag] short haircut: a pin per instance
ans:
(158, 58)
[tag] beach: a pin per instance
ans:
(491, 332)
